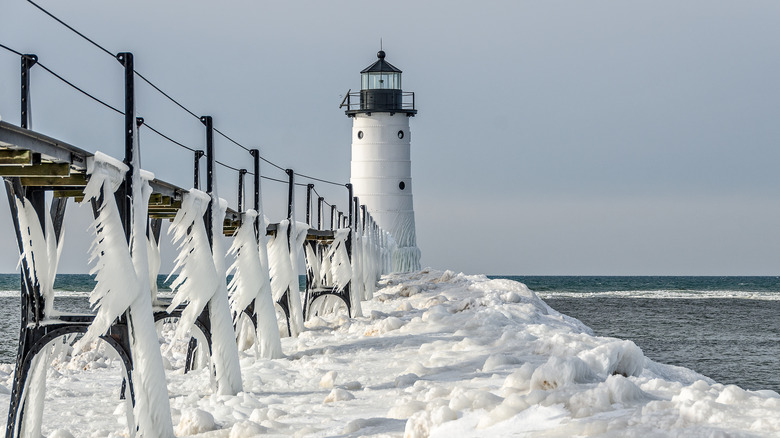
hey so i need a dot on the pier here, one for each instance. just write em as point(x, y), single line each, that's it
point(342, 261)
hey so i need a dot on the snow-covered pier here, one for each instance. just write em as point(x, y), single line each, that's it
point(343, 264)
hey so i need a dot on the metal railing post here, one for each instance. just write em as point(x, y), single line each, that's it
point(290, 193)
point(208, 218)
point(241, 173)
point(309, 188)
point(28, 60)
point(356, 207)
point(256, 166)
point(320, 203)
point(125, 193)
point(363, 212)
point(349, 189)
point(196, 180)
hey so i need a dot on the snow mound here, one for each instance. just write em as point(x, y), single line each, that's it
point(561, 371)
point(453, 355)
point(247, 429)
point(338, 394)
point(195, 421)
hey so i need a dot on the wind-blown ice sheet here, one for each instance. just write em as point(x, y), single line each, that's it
point(438, 354)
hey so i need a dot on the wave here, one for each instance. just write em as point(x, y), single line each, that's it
point(665, 294)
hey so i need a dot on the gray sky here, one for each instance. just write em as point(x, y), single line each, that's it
point(600, 137)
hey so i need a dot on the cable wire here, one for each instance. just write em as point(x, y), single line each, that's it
point(233, 141)
point(165, 94)
point(318, 179)
point(11, 50)
point(273, 179)
point(168, 138)
point(71, 84)
point(158, 89)
point(72, 29)
point(320, 196)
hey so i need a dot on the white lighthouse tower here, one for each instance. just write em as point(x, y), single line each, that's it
point(381, 157)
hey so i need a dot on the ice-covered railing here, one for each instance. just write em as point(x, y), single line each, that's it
point(123, 286)
point(201, 283)
point(138, 262)
point(251, 285)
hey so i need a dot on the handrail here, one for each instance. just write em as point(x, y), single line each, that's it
point(352, 101)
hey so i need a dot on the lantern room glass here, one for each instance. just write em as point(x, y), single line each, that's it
point(381, 81)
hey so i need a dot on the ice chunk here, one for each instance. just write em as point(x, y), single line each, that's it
point(418, 425)
point(61, 433)
point(328, 379)
point(194, 421)
point(338, 394)
point(247, 429)
point(561, 371)
point(616, 357)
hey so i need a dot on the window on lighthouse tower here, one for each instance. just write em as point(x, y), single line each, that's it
point(381, 81)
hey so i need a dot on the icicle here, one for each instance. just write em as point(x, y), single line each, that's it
point(279, 259)
point(152, 409)
point(283, 257)
point(369, 265)
point(42, 256)
point(35, 250)
point(227, 368)
point(313, 265)
point(297, 237)
point(117, 285)
point(325, 275)
point(251, 283)
point(268, 341)
point(197, 280)
point(35, 392)
point(357, 266)
point(123, 286)
point(153, 249)
point(54, 250)
point(340, 267)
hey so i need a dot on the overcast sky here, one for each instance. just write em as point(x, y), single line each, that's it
point(598, 137)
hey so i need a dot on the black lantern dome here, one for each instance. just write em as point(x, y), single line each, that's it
point(380, 90)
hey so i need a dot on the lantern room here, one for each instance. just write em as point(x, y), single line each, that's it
point(380, 91)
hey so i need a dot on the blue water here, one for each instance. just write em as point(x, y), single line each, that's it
point(727, 328)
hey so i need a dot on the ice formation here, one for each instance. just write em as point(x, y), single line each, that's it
point(227, 369)
point(313, 264)
point(153, 251)
point(298, 233)
point(337, 257)
point(197, 280)
point(40, 252)
point(442, 354)
point(117, 285)
point(357, 270)
point(251, 284)
point(268, 331)
point(35, 393)
point(123, 288)
point(283, 261)
point(201, 281)
point(369, 263)
point(151, 409)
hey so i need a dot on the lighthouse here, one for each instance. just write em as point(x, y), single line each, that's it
point(381, 173)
